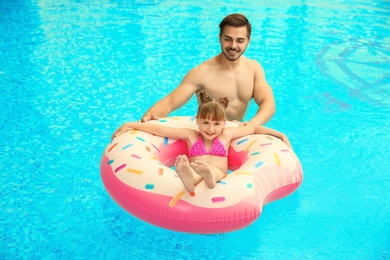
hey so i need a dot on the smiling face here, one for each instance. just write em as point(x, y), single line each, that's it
point(234, 41)
point(211, 116)
point(210, 129)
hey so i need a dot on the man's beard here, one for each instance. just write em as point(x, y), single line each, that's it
point(230, 58)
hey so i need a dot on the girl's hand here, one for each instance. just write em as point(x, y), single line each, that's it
point(124, 128)
point(285, 139)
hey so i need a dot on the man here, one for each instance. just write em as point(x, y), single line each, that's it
point(229, 74)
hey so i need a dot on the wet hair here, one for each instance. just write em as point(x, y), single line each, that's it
point(211, 109)
point(236, 20)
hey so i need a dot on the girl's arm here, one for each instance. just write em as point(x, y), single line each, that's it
point(237, 132)
point(163, 131)
point(269, 131)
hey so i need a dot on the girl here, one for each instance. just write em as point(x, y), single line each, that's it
point(208, 147)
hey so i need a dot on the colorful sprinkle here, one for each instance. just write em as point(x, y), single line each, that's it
point(217, 199)
point(249, 185)
point(266, 144)
point(176, 199)
point(255, 153)
point(112, 147)
point(134, 171)
point(160, 171)
point(149, 186)
point(277, 159)
point(110, 161)
point(155, 147)
point(162, 120)
point(147, 149)
point(222, 182)
point(257, 165)
point(242, 141)
point(165, 141)
point(120, 168)
point(141, 139)
point(127, 146)
point(136, 156)
point(285, 150)
point(254, 141)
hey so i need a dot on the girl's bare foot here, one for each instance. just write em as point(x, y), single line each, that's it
point(185, 172)
point(203, 169)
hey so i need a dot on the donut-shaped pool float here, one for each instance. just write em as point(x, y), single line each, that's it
point(136, 169)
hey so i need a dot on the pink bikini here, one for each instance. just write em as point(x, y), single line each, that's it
point(198, 148)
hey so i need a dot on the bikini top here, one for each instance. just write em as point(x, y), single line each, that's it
point(198, 148)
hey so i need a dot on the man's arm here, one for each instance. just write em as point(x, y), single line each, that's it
point(176, 99)
point(264, 98)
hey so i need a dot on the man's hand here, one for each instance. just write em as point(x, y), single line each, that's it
point(149, 116)
point(245, 123)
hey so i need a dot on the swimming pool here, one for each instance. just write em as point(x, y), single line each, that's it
point(71, 73)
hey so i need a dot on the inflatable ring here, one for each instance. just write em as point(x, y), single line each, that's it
point(136, 172)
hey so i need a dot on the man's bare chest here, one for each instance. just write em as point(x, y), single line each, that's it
point(231, 87)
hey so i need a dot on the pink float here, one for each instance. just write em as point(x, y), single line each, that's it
point(136, 172)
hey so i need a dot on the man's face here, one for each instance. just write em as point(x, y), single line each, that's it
point(234, 41)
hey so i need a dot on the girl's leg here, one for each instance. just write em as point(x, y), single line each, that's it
point(187, 175)
point(210, 174)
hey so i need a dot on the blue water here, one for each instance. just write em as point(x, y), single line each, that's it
point(72, 72)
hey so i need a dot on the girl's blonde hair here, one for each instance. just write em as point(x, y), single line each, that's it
point(211, 109)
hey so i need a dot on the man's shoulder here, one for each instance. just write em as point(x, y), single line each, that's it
point(206, 65)
point(251, 62)
point(212, 62)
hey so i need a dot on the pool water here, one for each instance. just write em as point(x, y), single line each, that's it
point(72, 72)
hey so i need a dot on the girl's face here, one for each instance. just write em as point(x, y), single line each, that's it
point(210, 129)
